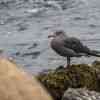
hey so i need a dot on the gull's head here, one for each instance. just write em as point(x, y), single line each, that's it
point(57, 33)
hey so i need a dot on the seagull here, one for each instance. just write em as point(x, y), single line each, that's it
point(70, 46)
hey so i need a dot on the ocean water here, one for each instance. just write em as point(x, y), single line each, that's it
point(26, 24)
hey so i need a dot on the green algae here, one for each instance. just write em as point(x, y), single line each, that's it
point(77, 76)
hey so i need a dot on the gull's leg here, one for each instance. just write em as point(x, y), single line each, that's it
point(68, 62)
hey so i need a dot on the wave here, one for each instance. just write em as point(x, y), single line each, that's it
point(55, 4)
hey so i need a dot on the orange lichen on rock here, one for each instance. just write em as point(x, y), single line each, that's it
point(17, 85)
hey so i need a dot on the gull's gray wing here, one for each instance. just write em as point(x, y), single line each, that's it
point(75, 44)
point(67, 52)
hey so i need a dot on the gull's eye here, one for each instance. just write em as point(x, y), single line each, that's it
point(58, 33)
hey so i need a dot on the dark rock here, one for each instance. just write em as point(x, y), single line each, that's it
point(77, 76)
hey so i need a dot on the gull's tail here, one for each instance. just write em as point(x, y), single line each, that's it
point(91, 52)
point(94, 53)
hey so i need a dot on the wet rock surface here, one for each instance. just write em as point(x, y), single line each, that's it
point(77, 76)
point(80, 94)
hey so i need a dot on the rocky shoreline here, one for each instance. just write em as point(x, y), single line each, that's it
point(59, 81)
point(80, 94)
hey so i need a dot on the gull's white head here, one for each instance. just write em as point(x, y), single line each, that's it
point(57, 33)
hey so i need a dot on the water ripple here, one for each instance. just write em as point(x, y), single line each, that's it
point(25, 25)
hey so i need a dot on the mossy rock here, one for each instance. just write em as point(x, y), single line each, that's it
point(96, 64)
point(77, 76)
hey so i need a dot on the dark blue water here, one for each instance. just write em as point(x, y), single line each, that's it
point(25, 25)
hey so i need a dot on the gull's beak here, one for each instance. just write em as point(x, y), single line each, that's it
point(50, 36)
